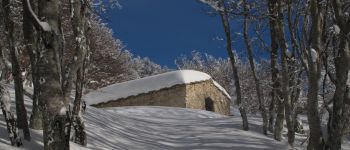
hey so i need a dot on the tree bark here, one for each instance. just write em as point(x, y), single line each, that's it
point(78, 122)
point(339, 114)
point(31, 48)
point(5, 101)
point(295, 72)
point(272, 112)
point(51, 95)
point(276, 92)
point(294, 100)
point(5, 70)
point(226, 26)
point(279, 119)
point(314, 74)
point(21, 111)
point(252, 67)
point(285, 74)
point(79, 11)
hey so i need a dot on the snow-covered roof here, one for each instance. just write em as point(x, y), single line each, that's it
point(147, 84)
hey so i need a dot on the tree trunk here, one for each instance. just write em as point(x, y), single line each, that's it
point(226, 26)
point(339, 111)
point(36, 118)
point(279, 119)
point(31, 48)
point(78, 122)
point(6, 67)
point(313, 115)
point(294, 71)
point(276, 92)
point(22, 121)
point(77, 69)
point(272, 112)
point(285, 74)
point(51, 96)
point(338, 121)
point(54, 110)
point(294, 100)
point(314, 74)
point(252, 67)
point(79, 12)
point(5, 101)
point(274, 69)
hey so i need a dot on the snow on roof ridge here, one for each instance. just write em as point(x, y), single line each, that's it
point(147, 84)
point(222, 89)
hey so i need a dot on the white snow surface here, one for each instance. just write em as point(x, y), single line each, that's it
point(147, 84)
point(163, 128)
point(157, 128)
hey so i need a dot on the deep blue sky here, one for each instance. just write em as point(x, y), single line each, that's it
point(165, 29)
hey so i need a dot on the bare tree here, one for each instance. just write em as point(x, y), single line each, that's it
point(252, 65)
point(312, 64)
point(79, 24)
point(276, 85)
point(30, 42)
point(51, 94)
point(77, 120)
point(78, 18)
point(5, 103)
point(5, 99)
point(339, 114)
point(225, 22)
point(21, 111)
point(285, 73)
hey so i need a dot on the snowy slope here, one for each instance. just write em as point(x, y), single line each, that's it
point(161, 128)
point(147, 84)
point(172, 128)
point(156, 128)
point(36, 142)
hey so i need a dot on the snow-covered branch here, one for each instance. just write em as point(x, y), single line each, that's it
point(314, 55)
point(215, 4)
point(37, 23)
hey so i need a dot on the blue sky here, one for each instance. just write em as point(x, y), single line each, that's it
point(165, 29)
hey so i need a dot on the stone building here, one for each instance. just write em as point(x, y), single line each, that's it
point(183, 88)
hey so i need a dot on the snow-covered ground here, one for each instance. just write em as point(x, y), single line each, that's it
point(160, 128)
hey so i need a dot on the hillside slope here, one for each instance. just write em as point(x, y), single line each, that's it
point(159, 128)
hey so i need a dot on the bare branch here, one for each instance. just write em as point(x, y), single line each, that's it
point(41, 25)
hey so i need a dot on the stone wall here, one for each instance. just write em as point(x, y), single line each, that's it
point(173, 97)
point(197, 93)
point(186, 96)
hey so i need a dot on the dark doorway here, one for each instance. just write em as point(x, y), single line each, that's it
point(209, 104)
